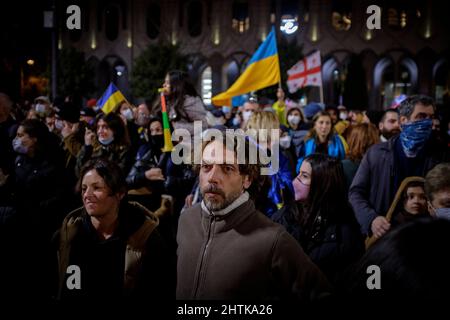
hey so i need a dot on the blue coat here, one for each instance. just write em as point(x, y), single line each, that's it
point(336, 148)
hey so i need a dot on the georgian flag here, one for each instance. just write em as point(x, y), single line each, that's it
point(306, 72)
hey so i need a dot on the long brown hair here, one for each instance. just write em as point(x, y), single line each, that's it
point(361, 137)
point(312, 132)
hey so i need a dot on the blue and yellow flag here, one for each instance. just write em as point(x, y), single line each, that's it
point(263, 70)
point(110, 98)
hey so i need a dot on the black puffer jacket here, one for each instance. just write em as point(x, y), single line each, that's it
point(331, 246)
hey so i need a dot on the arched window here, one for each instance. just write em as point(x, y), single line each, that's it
point(395, 83)
point(111, 22)
point(240, 21)
point(341, 15)
point(441, 80)
point(206, 83)
point(194, 15)
point(153, 20)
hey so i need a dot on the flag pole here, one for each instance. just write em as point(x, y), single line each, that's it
point(321, 93)
point(279, 65)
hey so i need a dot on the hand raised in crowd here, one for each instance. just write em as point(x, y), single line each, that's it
point(89, 136)
point(280, 94)
point(69, 128)
point(154, 174)
point(380, 226)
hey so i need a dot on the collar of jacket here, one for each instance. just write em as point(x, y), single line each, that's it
point(213, 224)
point(388, 145)
point(236, 203)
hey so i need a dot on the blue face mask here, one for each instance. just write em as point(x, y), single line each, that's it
point(226, 109)
point(443, 213)
point(106, 141)
point(18, 146)
point(236, 122)
point(414, 135)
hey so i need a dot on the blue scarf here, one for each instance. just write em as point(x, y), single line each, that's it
point(414, 135)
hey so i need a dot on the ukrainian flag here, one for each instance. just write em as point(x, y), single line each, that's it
point(263, 70)
point(110, 98)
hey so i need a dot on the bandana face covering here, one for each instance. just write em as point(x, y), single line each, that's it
point(414, 135)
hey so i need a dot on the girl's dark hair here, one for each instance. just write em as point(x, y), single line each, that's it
point(327, 200)
point(180, 86)
point(115, 123)
point(111, 173)
point(47, 144)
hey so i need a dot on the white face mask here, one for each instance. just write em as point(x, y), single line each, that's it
point(106, 141)
point(443, 213)
point(293, 120)
point(40, 108)
point(343, 115)
point(246, 115)
point(285, 142)
point(128, 114)
point(59, 124)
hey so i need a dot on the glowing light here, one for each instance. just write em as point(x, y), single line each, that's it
point(216, 37)
point(174, 38)
point(289, 26)
point(129, 42)
point(30, 62)
point(93, 41)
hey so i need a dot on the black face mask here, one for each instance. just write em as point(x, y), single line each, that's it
point(157, 140)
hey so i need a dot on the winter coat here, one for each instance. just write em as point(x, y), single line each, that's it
point(133, 263)
point(241, 254)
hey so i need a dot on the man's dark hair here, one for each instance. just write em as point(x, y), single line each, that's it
point(406, 107)
point(437, 179)
point(383, 117)
point(240, 144)
point(110, 172)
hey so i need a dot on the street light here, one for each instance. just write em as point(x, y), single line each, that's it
point(30, 62)
point(289, 24)
point(119, 70)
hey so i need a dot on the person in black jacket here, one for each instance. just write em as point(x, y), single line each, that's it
point(387, 164)
point(322, 219)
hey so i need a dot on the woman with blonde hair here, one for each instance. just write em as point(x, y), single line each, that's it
point(361, 138)
point(280, 188)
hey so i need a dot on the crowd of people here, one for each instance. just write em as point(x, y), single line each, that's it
point(98, 191)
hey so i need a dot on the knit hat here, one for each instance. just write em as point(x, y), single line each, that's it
point(311, 109)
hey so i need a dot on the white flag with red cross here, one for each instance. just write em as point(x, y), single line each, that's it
point(306, 72)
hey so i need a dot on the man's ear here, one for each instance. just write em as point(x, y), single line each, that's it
point(380, 126)
point(247, 182)
point(403, 120)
